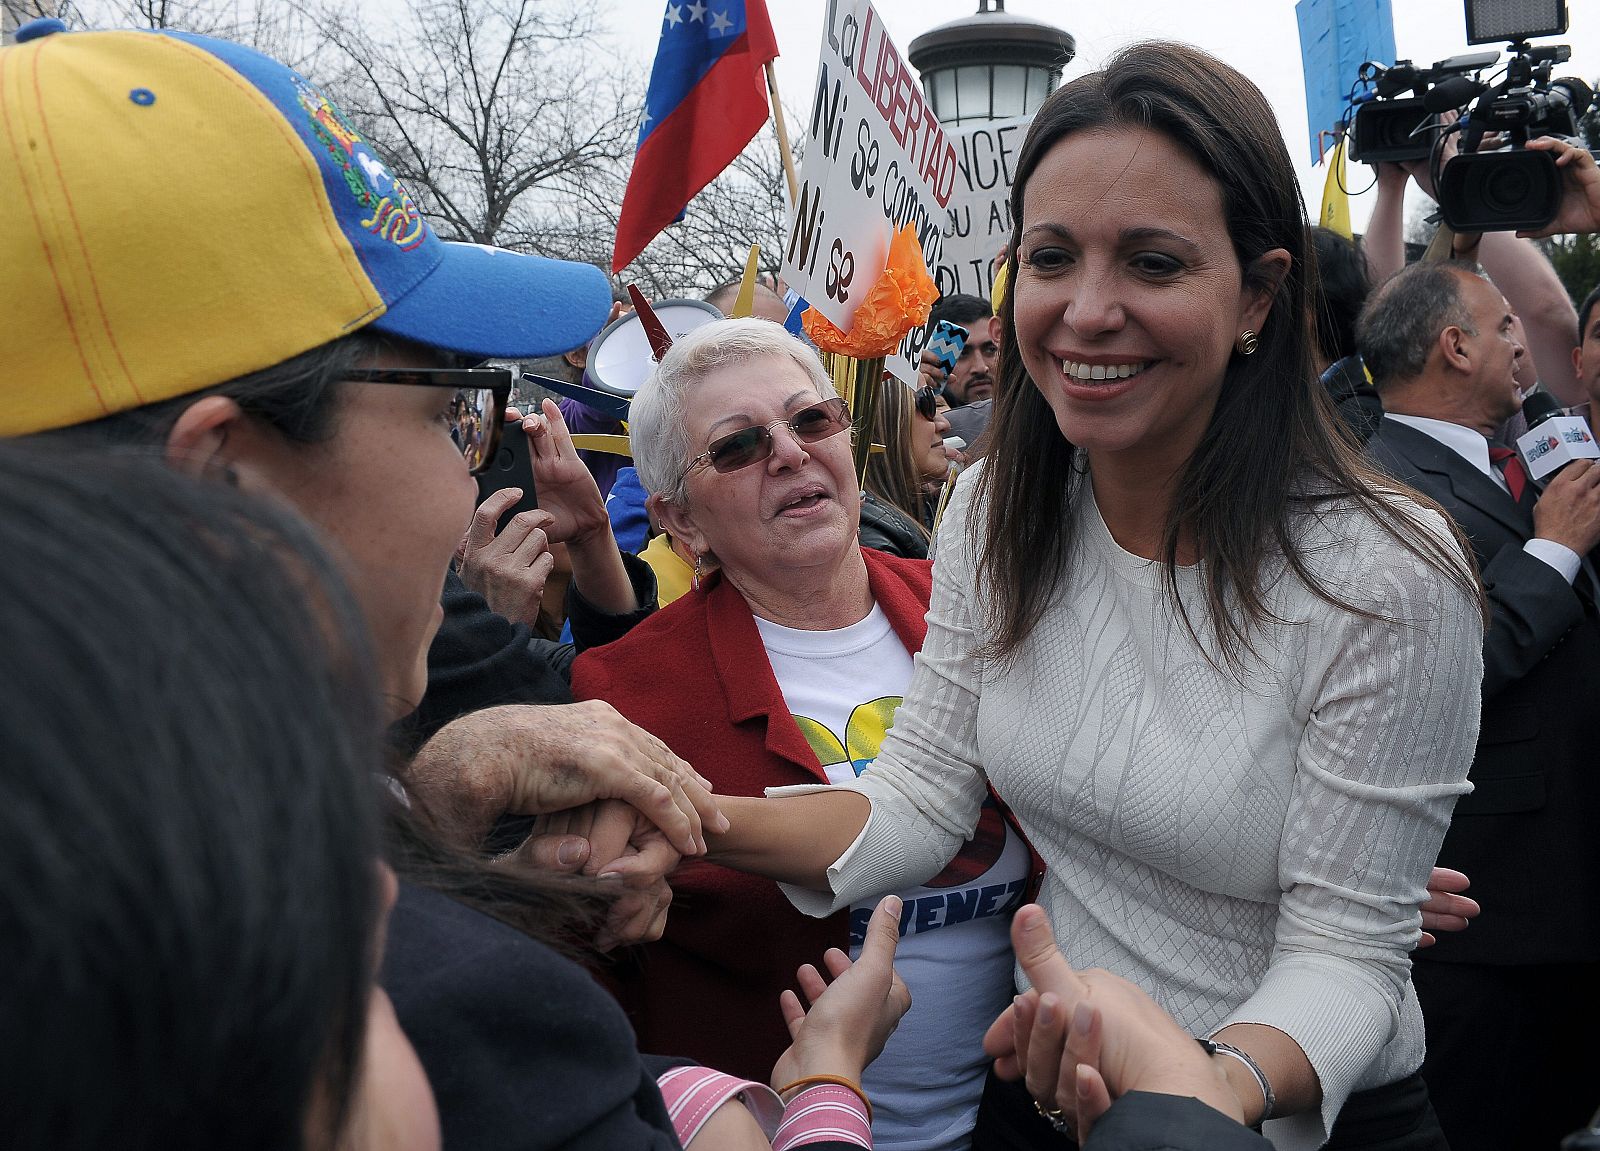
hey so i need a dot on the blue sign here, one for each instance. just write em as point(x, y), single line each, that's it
point(1336, 38)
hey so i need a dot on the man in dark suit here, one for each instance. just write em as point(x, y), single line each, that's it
point(1507, 1001)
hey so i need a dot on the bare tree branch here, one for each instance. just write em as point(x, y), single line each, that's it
point(485, 108)
point(509, 121)
point(277, 29)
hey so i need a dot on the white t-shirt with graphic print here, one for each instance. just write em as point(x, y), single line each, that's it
point(842, 688)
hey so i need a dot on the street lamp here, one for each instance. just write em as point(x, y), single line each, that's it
point(991, 65)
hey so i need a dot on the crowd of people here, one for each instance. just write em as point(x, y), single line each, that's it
point(336, 814)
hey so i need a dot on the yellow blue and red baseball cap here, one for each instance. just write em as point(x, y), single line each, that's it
point(181, 211)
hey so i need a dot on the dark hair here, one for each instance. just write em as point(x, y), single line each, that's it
point(1403, 319)
point(1339, 288)
point(893, 475)
point(1585, 309)
point(188, 845)
point(1271, 449)
point(960, 308)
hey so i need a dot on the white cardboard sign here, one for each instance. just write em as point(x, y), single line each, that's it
point(978, 218)
point(876, 158)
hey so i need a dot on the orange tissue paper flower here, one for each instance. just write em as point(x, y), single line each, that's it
point(898, 302)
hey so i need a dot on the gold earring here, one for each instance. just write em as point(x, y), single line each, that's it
point(694, 578)
point(1247, 343)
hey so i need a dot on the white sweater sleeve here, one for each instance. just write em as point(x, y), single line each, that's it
point(926, 785)
point(1393, 723)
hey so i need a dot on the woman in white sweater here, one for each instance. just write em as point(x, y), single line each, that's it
point(1225, 677)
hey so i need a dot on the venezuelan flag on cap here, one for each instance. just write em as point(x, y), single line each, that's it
point(182, 211)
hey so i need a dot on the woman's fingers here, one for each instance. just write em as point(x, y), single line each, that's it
point(1023, 1009)
point(1082, 1050)
point(1045, 1047)
point(1447, 879)
point(1093, 1098)
point(793, 1013)
point(811, 982)
point(1041, 960)
point(836, 961)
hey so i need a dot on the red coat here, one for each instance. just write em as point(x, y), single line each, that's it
point(697, 676)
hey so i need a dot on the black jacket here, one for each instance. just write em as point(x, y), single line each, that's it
point(1144, 1121)
point(886, 528)
point(524, 1050)
point(1525, 835)
point(481, 659)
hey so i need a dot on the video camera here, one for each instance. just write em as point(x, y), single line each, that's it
point(1507, 189)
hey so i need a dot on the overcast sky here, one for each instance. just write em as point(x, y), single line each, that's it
point(1259, 37)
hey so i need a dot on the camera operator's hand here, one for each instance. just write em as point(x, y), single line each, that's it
point(1391, 176)
point(1580, 194)
point(1568, 511)
point(1422, 170)
point(509, 569)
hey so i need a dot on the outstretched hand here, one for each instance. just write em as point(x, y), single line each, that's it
point(851, 1018)
point(1082, 1039)
point(524, 759)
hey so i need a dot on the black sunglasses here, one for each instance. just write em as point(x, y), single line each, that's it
point(927, 402)
point(477, 410)
point(751, 445)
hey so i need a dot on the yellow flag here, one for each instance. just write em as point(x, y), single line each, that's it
point(997, 293)
point(744, 304)
point(1335, 200)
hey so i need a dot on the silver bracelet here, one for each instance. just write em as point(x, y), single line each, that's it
point(1269, 1100)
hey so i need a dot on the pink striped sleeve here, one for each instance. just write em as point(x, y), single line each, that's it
point(692, 1093)
point(823, 1113)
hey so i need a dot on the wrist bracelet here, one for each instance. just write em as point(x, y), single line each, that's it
point(1268, 1099)
point(830, 1080)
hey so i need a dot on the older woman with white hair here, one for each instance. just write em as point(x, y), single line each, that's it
point(784, 667)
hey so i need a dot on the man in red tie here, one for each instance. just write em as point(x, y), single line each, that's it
point(1442, 348)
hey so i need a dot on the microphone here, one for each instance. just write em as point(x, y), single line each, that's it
point(1553, 440)
point(1453, 93)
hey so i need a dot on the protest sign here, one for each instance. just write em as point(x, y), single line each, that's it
point(1336, 37)
point(876, 159)
point(978, 218)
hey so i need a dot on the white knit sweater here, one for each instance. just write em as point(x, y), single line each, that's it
point(1245, 851)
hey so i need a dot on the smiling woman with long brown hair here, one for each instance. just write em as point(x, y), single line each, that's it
point(1225, 676)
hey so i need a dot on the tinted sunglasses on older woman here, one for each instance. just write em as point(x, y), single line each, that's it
point(751, 445)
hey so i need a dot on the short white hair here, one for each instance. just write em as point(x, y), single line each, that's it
point(658, 431)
